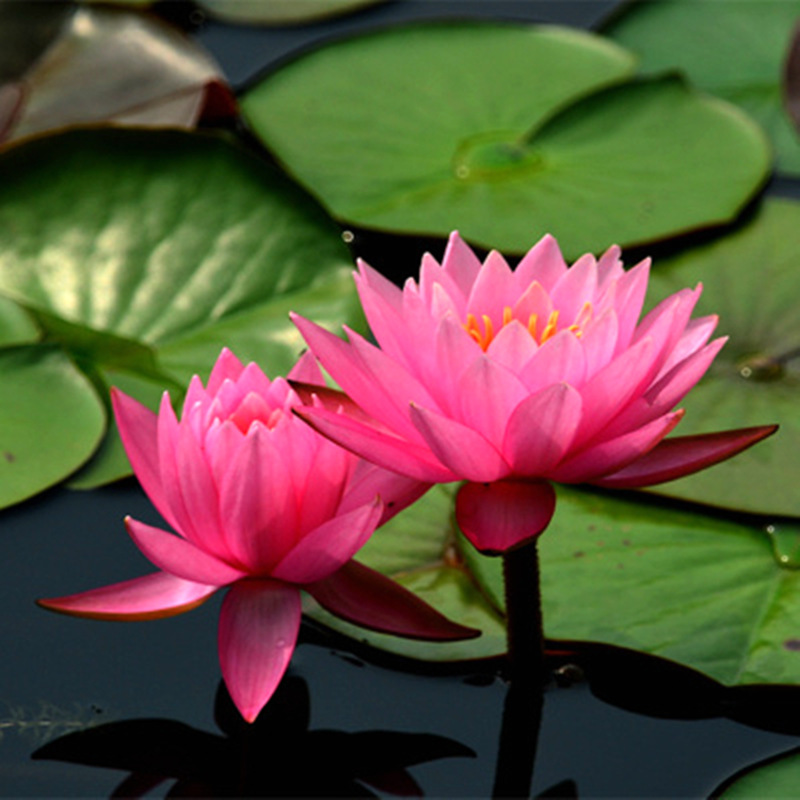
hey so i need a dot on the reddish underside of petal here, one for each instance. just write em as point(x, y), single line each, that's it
point(496, 517)
point(684, 455)
point(150, 597)
point(365, 597)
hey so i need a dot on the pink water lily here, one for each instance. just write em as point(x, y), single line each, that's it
point(266, 506)
point(513, 379)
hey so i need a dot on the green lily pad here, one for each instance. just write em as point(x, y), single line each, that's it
point(16, 327)
point(684, 584)
point(418, 549)
point(41, 389)
point(144, 253)
point(280, 12)
point(776, 777)
point(703, 591)
point(733, 50)
point(505, 132)
point(751, 280)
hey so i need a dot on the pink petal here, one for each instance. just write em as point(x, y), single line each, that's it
point(599, 342)
point(328, 547)
point(513, 347)
point(227, 367)
point(168, 435)
point(364, 597)
point(199, 491)
point(258, 626)
point(498, 516)
point(684, 455)
point(388, 451)
point(542, 263)
point(666, 322)
point(464, 451)
point(150, 597)
point(461, 263)
point(493, 288)
point(434, 279)
point(489, 393)
point(542, 429)
point(454, 351)
point(138, 429)
point(327, 398)
point(559, 360)
point(575, 288)
point(195, 394)
point(392, 387)
point(614, 454)
point(629, 293)
point(666, 393)
point(380, 399)
point(610, 390)
point(384, 308)
point(534, 300)
point(609, 267)
point(321, 471)
point(694, 337)
point(175, 555)
point(306, 370)
point(257, 503)
point(371, 280)
point(253, 380)
point(370, 481)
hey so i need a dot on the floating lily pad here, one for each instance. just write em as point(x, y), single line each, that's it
point(751, 279)
point(280, 12)
point(733, 50)
point(505, 132)
point(50, 420)
point(707, 592)
point(703, 591)
point(127, 244)
point(776, 777)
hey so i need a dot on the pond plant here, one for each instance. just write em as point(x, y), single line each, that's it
point(470, 409)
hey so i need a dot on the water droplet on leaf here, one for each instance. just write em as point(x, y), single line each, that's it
point(785, 540)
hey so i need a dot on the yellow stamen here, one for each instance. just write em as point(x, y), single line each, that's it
point(484, 334)
point(483, 338)
point(551, 327)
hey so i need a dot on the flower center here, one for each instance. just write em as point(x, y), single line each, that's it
point(484, 334)
point(254, 408)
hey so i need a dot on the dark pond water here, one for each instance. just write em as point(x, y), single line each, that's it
point(59, 675)
point(343, 719)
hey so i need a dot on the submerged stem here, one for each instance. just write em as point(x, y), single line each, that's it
point(522, 711)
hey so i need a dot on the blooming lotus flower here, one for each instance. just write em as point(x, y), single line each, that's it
point(261, 504)
point(513, 379)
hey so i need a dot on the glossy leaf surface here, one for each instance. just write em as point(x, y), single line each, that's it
point(733, 50)
point(121, 246)
point(703, 591)
point(751, 280)
point(502, 133)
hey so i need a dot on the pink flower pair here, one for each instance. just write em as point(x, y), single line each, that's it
point(265, 506)
point(509, 380)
